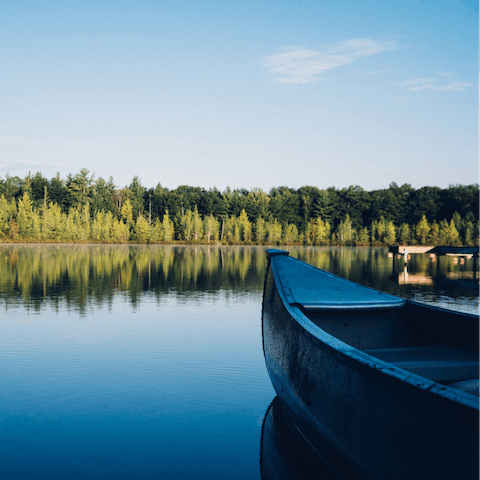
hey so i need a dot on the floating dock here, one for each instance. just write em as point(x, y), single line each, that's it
point(400, 249)
point(397, 251)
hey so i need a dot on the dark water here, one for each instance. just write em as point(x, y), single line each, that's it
point(147, 362)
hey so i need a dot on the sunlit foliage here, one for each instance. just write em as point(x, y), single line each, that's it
point(84, 209)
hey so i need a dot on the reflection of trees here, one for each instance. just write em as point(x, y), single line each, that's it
point(82, 275)
point(79, 274)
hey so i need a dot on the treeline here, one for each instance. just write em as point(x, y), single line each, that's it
point(82, 209)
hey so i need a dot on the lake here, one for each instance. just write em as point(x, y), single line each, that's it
point(146, 361)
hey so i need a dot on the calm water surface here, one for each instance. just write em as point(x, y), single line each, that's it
point(147, 362)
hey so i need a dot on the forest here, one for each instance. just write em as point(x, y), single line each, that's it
point(84, 209)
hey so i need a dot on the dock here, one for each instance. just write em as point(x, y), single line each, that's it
point(400, 249)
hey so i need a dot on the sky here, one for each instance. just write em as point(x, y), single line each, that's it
point(245, 94)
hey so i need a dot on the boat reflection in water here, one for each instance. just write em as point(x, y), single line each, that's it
point(285, 454)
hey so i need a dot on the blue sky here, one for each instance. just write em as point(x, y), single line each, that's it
point(241, 94)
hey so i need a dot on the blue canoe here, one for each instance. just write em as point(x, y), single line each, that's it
point(380, 386)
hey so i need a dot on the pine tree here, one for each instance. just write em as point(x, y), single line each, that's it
point(260, 231)
point(291, 233)
point(423, 230)
point(274, 231)
point(245, 226)
point(167, 227)
point(345, 231)
point(142, 229)
point(197, 225)
point(127, 212)
point(364, 236)
point(4, 216)
point(449, 234)
point(185, 225)
point(390, 233)
point(211, 228)
point(434, 235)
point(404, 233)
point(321, 231)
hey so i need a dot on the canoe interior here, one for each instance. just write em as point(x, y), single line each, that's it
point(436, 344)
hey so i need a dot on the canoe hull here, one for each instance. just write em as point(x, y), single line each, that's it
point(360, 419)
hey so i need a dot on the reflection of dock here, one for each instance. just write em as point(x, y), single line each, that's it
point(454, 278)
point(460, 256)
point(397, 251)
point(455, 251)
point(405, 278)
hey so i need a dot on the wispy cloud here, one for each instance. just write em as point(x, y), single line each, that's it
point(298, 65)
point(434, 84)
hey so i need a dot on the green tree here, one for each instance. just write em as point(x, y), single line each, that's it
point(127, 213)
point(27, 226)
point(423, 230)
point(78, 187)
point(345, 232)
point(142, 229)
point(285, 205)
point(274, 231)
point(290, 233)
point(103, 196)
point(364, 236)
point(390, 233)
point(185, 225)
point(260, 231)
point(53, 222)
point(97, 230)
point(167, 227)
point(5, 215)
point(257, 203)
point(11, 187)
point(449, 234)
point(321, 231)
point(245, 226)
point(197, 225)
point(324, 205)
point(211, 227)
point(470, 239)
point(156, 231)
point(434, 235)
point(404, 234)
point(136, 192)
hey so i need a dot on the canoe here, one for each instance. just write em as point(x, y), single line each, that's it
point(380, 386)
